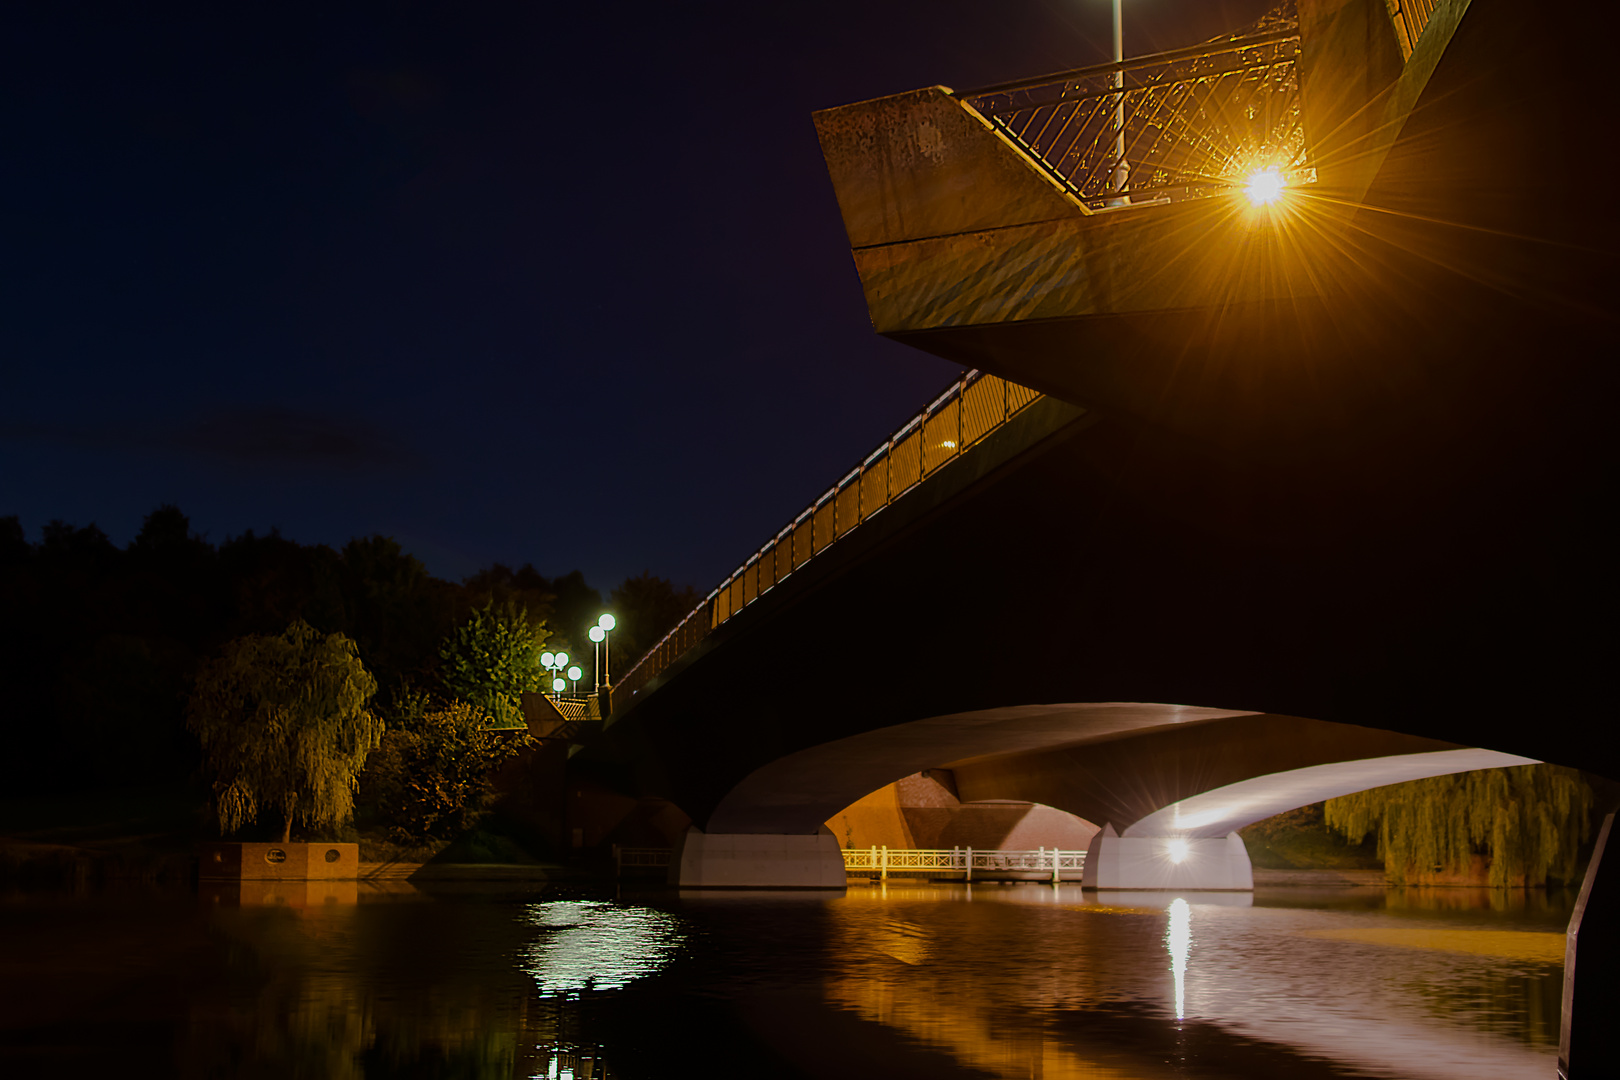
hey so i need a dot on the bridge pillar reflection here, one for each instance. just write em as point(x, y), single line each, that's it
point(757, 861)
point(1167, 862)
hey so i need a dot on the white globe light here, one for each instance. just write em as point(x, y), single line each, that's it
point(575, 673)
point(1265, 187)
point(607, 622)
point(562, 659)
point(597, 633)
point(558, 685)
point(548, 659)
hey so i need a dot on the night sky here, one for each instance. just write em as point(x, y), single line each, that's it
point(516, 283)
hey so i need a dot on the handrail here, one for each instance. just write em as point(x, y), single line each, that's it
point(971, 407)
point(1216, 48)
point(1177, 125)
point(965, 861)
point(884, 860)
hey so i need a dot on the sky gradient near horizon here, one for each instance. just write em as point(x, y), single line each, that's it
point(507, 284)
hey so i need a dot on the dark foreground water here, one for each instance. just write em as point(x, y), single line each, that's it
point(941, 981)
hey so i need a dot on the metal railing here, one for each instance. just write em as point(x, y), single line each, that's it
point(1184, 124)
point(639, 858)
point(577, 707)
point(1050, 863)
point(972, 407)
point(1410, 17)
point(912, 862)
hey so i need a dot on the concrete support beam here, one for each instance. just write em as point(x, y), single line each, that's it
point(757, 861)
point(1150, 862)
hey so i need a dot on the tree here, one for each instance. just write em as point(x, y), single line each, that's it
point(394, 609)
point(493, 658)
point(577, 607)
point(431, 774)
point(525, 586)
point(284, 724)
point(647, 607)
point(1530, 820)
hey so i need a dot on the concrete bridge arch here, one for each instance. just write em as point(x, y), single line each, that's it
point(1152, 774)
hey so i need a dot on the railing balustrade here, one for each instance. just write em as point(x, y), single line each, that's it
point(883, 861)
point(1410, 17)
point(649, 858)
point(577, 707)
point(1052, 863)
point(972, 407)
point(1195, 122)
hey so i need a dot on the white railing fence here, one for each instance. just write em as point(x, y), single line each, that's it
point(1053, 863)
point(639, 858)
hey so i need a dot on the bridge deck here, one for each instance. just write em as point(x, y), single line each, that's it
point(955, 422)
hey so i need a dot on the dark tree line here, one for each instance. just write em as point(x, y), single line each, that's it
point(99, 646)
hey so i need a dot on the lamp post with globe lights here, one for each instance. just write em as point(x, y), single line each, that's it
point(556, 663)
point(599, 635)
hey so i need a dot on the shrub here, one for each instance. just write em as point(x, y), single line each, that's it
point(430, 778)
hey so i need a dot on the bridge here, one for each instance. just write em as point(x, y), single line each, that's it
point(1279, 469)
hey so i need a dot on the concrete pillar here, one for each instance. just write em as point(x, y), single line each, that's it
point(1588, 1045)
point(1150, 862)
point(757, 861)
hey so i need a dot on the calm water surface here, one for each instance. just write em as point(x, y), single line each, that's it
point(905, 980)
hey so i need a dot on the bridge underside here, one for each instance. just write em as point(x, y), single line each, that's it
point(1171, 783)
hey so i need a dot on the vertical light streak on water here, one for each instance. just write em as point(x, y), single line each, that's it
point(1178, 940)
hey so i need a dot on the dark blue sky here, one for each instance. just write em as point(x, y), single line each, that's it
point(517, 283)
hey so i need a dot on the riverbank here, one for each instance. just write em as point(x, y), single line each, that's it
point(1268, 878)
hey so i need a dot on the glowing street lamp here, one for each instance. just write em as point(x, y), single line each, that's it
point(599, 635)
point(574, 674)
point(1264, 187)
point(555, 662)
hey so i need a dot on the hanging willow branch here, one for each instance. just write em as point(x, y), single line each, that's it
point(284, 727)
point(1530, 820)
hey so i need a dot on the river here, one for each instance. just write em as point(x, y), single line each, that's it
point(904, 979)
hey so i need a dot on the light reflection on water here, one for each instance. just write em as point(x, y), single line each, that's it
point(1178, 940)
point(1010, 981)
point(596, 945)
point(1357, 983)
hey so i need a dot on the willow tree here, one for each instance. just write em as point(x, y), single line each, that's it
point(1529, 820)
point(284, 726)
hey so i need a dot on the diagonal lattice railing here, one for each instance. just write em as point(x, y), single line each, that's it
point(972, 407)
point(1410, 18)
point(1178, 125)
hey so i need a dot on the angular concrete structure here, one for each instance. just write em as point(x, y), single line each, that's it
point(757, 861)
point(1153, 863)
point(1310, 478)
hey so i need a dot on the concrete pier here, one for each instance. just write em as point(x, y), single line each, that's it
point(757, 861)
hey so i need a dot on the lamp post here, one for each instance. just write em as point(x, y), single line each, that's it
point(555, 663)
point(596, 634)
point(574, 674)
point(599, 635)
point(1121, 177)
